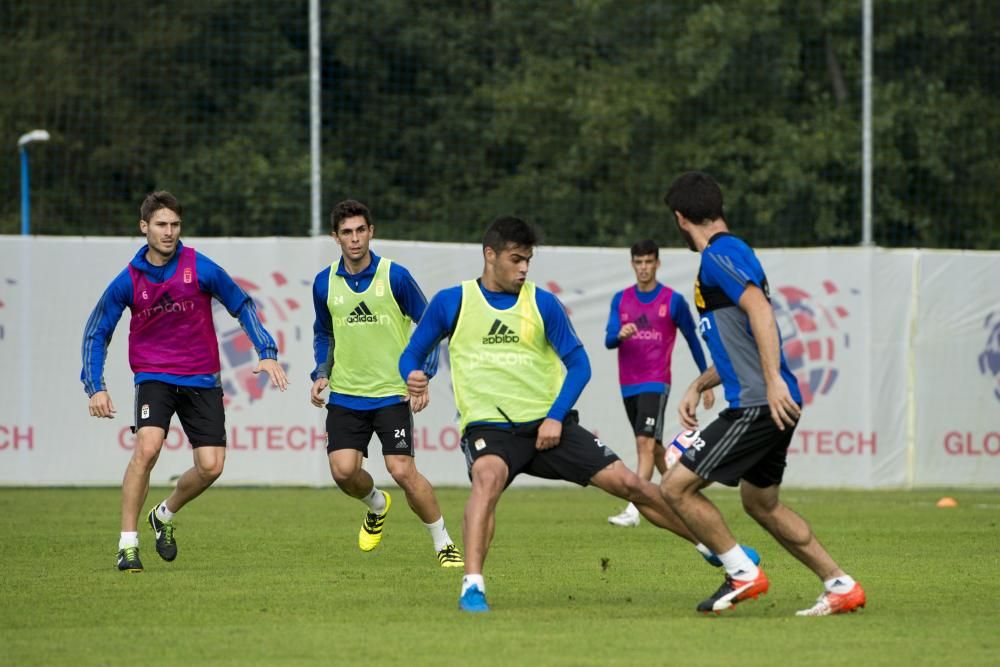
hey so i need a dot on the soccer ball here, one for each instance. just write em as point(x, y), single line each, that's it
point(679, 445)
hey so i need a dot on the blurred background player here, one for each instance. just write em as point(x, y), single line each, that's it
point(509, 341)
point(748, 442)
point(643, 325)
point(364, 306)
point(173, 350)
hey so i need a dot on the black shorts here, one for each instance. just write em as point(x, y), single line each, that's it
point(645, 413)
point(200, 411)
point(577, 458)
point(353, 429)
point(742, 443)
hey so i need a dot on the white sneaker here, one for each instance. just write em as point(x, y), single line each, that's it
point(629, 517)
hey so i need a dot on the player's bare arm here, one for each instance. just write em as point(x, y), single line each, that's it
point(316, 392)
point(784, 410)
point(687, 410)
point(549, 434)
point(274, 371)
point(101, 405)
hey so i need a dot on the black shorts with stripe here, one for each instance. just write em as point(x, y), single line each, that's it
point(645, 413)
point(353, 429)
point(577, 458)
point(742, 443)
point(200, 410)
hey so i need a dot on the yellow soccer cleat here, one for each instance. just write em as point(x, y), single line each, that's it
point(371, 528)
point(450, 556)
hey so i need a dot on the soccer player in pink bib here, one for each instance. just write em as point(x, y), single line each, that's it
point(174, 353)
point(643, 326)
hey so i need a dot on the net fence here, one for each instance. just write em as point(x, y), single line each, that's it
point(575, 115)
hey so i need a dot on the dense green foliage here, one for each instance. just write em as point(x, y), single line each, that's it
point(275, 577)
point(573, 114)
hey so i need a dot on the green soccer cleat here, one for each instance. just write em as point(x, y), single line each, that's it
point(128, 560)
point(450, 556)
point(371, 528)
point(164, 532)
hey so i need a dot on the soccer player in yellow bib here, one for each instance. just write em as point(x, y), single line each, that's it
point(509, 342)
point(364, 306)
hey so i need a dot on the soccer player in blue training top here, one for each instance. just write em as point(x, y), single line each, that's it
point(174, 352)
point(364, 306)
point(509, 341)
point(643, 326)
point(749, 441)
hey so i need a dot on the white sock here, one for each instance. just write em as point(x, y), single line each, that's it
point(842, 584)
point(738, 563)
point(163, 513)
point(703, 550)
point(439, 534)
point(128, 540)
point(632, 510)
point(470, 580)
point(375, 501)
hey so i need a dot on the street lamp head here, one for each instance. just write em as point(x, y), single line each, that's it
point(34, 135)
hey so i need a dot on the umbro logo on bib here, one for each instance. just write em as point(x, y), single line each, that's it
point(500, 333)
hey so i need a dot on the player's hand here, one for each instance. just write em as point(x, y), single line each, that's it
point(419, 401)
point(708, 398)
point(417, 389)
point(549, 434)
point(101, 405)
point(316, 393)
point(784, 410)
point(687, 410)
point(274, 371)
point(416, 383)
point(627, 331)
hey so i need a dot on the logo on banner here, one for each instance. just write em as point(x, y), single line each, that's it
point(813, 335)
point(989, 359)
point(275, 306)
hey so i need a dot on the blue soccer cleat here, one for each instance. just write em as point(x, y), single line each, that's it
point(473, 599)
point(750, 552)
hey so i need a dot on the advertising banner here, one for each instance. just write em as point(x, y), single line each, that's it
point(898, 374)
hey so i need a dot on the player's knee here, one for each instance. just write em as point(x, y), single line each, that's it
point(145, 454)
point(403, 472)
point(760, 509)
point(343, 475)
point(211, 470)
point(488, 477)
point(646, 445)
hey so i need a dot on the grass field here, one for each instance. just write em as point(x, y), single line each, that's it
point(274, 577)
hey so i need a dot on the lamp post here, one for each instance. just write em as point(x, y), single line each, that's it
point(22, 147)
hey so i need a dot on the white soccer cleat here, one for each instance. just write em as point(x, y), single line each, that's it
point(837, 603)
point(628, 518)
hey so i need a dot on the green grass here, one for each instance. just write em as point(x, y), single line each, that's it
point(274, 577)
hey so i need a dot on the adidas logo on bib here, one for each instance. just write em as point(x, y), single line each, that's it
point(500, 333)
point(360, 314)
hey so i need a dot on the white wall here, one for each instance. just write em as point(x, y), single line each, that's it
point(899, 350)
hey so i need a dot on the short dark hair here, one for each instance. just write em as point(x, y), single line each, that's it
point(508, 230)
point(349, 208)
point(154, 201)
point(696, 196)
point(646, 247)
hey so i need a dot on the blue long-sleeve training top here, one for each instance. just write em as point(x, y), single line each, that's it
point(442, 313)
point(118, 296)
point(408, 296)
point(680, 313)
